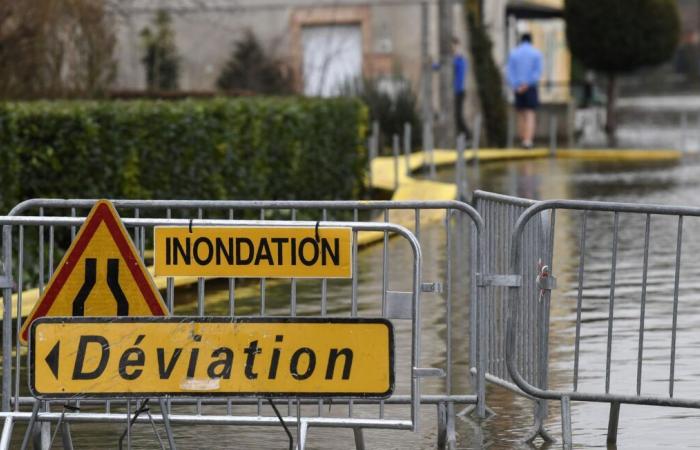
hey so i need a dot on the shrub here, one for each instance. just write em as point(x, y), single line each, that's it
point(617, 36)
point(392, 103)
point(160, 59)
point(249, 68)
point(249, 148)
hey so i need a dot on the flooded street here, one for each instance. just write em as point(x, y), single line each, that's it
point(640, 426)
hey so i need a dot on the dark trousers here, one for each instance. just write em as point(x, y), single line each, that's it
point(460, 124)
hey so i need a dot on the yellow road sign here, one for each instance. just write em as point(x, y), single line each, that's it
point(204, 356)
point(283, 252)
point(100, 275)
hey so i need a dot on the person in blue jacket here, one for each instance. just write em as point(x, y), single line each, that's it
point(524, 70)
point(460, 65)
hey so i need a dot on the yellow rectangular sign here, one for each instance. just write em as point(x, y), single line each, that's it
point(253, 252)
point(205, 356)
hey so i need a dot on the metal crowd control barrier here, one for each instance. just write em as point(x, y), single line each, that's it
point(615, 230)
point(146, 214)
point(500, 213)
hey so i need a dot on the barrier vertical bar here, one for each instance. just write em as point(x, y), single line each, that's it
point(674, 327)
point(7, 319)
point(579, 299)
point(170, 281)
point(611, 302)
point(20, 290)
point(642, 312)
point(448, 299)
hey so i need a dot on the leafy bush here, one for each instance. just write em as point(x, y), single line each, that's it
point(392, 103)
point(248, 148)
point(249, 68)
point(160, 57)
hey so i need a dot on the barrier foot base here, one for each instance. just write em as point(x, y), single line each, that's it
point(359, 439)
point(566, 423)
point(472, 410)
point(539, 430)
point(447, 437)
point(613, 422)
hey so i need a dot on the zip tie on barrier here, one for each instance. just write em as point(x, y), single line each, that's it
point(318, 237)
point(545, 281)
point(191, 225)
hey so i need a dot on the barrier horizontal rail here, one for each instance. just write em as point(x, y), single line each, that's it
point(637, 220)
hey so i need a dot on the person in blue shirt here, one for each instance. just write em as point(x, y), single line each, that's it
point(460, 65)
point(524, 71)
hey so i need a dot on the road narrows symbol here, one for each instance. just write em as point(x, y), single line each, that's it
point(90, 277)
point(113, 282)
point(89, 283)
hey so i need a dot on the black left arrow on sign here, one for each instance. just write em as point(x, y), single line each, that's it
point(52, 359)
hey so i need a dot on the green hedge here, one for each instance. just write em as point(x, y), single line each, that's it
point(251, 148)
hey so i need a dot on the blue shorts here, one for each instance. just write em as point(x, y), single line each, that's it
point(528, 99)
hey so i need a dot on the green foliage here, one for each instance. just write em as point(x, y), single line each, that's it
point(488, 78)
point(250, 68)
point(392, 102)
point(56, 48)
point(160, 57)
point(249, 148)
point(622, 35)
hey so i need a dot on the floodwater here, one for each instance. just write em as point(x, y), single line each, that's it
point(640, 426)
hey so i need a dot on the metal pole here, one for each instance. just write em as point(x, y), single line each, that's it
point(460, 170)
point(510, 139)
point(375, 135)
point(431, 148)
point(552, 134)
point(407, 146)
point(426, 145)
point(370, 143)
point(476, 140)
point(684, 131)
point(427, 82)
point(395, 151)
point(166, 423)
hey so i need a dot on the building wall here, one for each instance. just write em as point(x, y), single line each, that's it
point(205, 31)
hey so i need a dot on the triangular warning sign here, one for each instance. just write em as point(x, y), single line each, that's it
point(100, 275)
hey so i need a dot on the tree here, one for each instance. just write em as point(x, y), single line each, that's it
point(160, 57)
point(488, 77)
point(620, 36)
point(250, 68)
point(55, 48)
